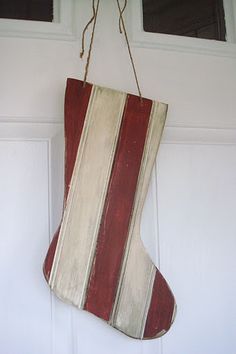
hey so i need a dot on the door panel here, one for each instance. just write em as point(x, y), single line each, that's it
point(25, 300)
point(197, 227)
point(188, 224)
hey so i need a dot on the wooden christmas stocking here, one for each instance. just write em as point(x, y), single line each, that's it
point(96, 260)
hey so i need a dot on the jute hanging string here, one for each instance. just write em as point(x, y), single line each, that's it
point(122, 29)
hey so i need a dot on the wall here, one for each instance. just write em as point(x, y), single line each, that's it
point(188, 223)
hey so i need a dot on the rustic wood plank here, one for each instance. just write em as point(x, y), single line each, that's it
point(158, 321)
point(118, 208)
point(138, 273)
point(100, 263)
point(76, 104)
point(77, 239)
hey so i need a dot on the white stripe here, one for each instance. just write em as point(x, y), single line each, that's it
point(138, 272)
point(81, 218)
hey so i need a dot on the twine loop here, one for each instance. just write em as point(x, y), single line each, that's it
point(122, 29)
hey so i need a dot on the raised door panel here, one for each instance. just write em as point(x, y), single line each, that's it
point(197, 228)
point(25, 300)
point(31, 192)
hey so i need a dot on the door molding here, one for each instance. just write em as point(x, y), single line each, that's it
point(62, 28)
point(142, 39)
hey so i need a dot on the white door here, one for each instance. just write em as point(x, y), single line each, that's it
point(189, 224)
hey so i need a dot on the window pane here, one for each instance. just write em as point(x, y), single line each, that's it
point(201, 18)
point(36, 10)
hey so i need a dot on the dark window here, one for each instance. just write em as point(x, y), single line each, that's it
point(192, 18)
point(36, 10)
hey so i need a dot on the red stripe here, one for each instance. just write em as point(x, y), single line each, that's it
point(76, 104)
point(161, 308)
point(118, 208)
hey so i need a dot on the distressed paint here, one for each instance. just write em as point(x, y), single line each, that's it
point(136, 282)
point(158, 321)
point(76, 104)
point(118, 208)
point(97, 260)
point(81, 219)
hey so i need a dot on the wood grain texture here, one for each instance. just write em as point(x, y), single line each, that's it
point(161, 311)
point(77, 239)
point(118, 208)
point(138, 273)
point(76, 104)
point(97, 260)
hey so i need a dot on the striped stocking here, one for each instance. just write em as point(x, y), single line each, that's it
point(97, 260)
